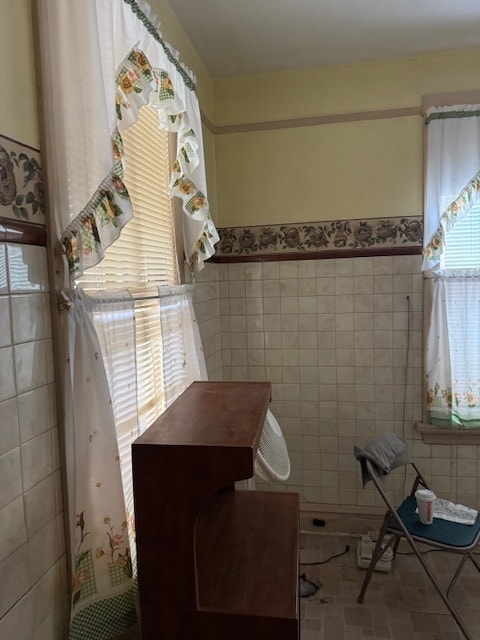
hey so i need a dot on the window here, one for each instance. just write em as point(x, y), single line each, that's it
point(123, 62)
point(142, 258)
point(462, 245)
point(452, 266)
point(457, 322)
point(145, 252)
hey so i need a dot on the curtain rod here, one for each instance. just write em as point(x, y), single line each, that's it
point(171, 290)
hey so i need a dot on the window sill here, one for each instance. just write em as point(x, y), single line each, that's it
point(434, 435)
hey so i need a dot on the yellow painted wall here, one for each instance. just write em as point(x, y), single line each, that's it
point(338, 89)
point(341, 171)
point(335, 171)
point(18, 105)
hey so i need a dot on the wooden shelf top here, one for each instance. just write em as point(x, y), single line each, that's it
point(226, 414)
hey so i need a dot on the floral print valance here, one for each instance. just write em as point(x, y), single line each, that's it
point(148, 73)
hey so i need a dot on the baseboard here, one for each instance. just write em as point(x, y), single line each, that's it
point(340, 509)
point(339, 520)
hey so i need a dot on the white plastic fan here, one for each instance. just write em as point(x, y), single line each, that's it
point(272, 461)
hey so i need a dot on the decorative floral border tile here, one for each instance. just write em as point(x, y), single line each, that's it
point(375, 235)
point(21, 182)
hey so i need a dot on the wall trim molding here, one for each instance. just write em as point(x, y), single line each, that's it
point(313, 121)
point(28, 146)
point(348, 511)
point(22, 232)
point(321, 240)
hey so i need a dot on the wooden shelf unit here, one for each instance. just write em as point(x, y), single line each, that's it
point(213, 562)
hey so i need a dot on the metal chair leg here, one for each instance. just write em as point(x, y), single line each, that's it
point(440, 591)
point(377, 554)
point(452, 582)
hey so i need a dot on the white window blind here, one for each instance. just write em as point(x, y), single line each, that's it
point(149, 350)
point(115, 329)
point(462, 243)
point(142, 258)
point(144, 254)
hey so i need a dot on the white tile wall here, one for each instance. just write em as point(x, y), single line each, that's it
point(331, 335)
point(3, 270)
point(9, 430)
point(15, 583)
point(18, 622)
point(32, 542)
point(10, 477)
point(27, 269)
point(207, 310)
point(13, 532)
point(5, 323)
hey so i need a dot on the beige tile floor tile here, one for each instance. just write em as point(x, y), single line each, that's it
point(400, 605)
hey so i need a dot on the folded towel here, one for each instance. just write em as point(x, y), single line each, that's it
point(447, 510)
point(387, 452)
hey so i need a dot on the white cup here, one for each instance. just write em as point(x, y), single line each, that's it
point(425, 501)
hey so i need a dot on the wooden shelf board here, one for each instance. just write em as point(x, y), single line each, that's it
point(247, 554)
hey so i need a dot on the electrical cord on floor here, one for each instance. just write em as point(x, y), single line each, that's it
point(337, 555)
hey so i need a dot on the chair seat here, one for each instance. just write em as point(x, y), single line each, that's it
point(453, 534)
point(404, 522)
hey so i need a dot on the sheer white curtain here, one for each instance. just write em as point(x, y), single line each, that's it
point(103, 588)
point(114, 321)
point(102, 422)
point(101, 61)
point(183, 358)
point(452, 359)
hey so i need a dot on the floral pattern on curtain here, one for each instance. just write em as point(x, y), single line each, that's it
point(453, 345)
point(105, 422)
point(138, 83)
point(452, 357)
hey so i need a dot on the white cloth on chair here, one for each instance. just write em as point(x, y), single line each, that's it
point(387, 452)
point(447, 510)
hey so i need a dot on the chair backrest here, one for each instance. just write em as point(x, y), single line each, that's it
point(381, 456)
point(377, 480)
point(387, 452)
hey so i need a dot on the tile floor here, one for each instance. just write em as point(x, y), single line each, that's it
point(401, 605)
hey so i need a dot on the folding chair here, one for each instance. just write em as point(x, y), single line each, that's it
point(377, 459)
